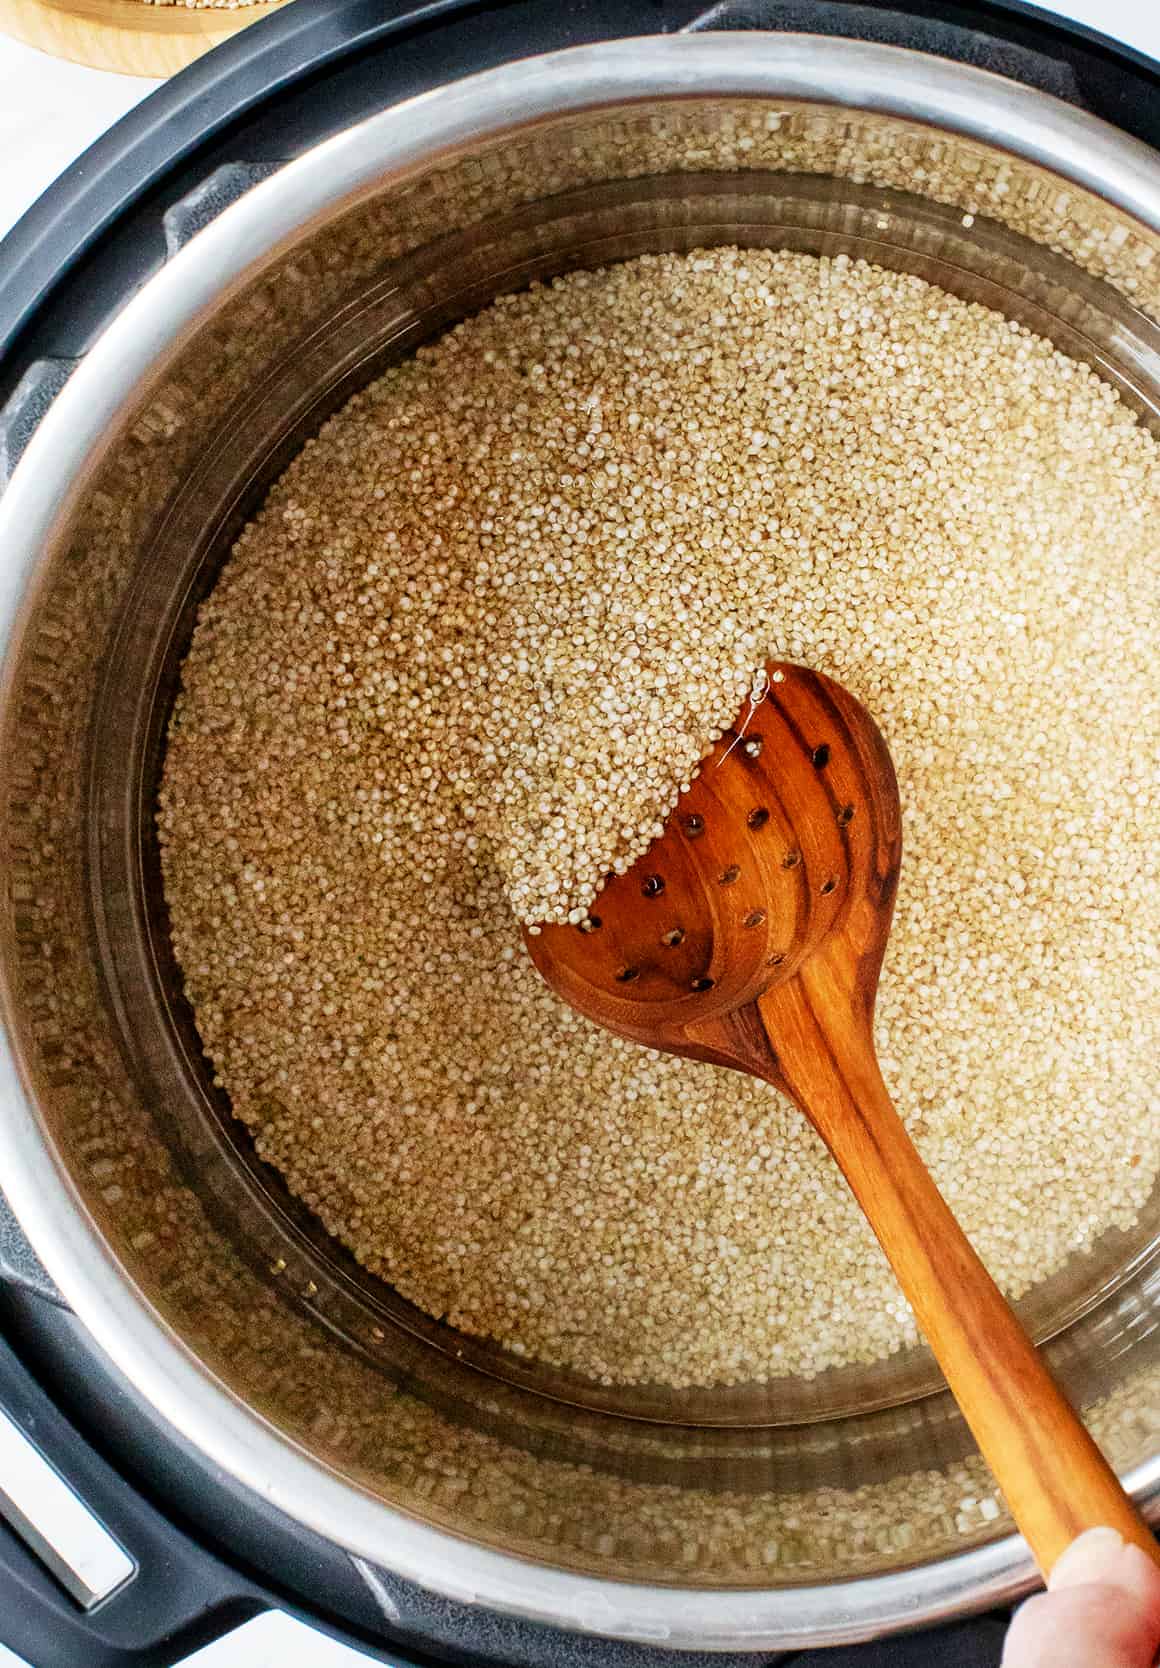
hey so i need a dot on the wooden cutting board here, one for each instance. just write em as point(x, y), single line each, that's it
point(125, 35)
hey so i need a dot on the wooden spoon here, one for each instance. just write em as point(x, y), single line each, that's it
point(751, 934)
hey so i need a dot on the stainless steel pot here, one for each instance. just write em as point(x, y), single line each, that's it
point(778, 1516)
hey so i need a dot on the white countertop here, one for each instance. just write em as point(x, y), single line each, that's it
point(49, 112)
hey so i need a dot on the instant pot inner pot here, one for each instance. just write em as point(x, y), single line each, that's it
point(862, 1469)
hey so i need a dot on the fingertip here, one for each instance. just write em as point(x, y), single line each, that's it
point(1091, 1557)
point(1140, 1575)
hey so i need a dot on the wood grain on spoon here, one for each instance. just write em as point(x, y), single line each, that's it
point(751, 934)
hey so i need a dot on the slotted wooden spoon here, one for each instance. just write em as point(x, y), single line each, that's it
point(751, 934)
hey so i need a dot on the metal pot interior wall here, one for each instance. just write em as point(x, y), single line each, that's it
point(859, 1471)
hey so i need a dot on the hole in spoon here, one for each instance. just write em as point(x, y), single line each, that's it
point(758, 817)
point(693, 826)
point(704, 983)
point(675, 936)
point(627, 975)
point(846, 814)
point(653, 886)
point(776, 959)
point(729, 875)
point(791, 859)
point(590, 923)
point(828, 886)
point(754, 918)
point(820, 757)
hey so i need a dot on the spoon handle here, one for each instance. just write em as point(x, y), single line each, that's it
point(1054, 1477)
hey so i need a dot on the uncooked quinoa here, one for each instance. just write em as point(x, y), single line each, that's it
point(459, 666)
point(208, 5)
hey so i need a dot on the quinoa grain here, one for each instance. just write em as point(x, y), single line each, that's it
point(456, 671)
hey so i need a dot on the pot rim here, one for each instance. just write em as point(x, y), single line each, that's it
point(391, 146)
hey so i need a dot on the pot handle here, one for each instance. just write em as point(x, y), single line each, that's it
point(91, 1576)
point(183, 219)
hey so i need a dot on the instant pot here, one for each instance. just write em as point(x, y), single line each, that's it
point(254, 1420)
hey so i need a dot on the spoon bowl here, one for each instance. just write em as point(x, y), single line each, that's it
point(790, 833)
